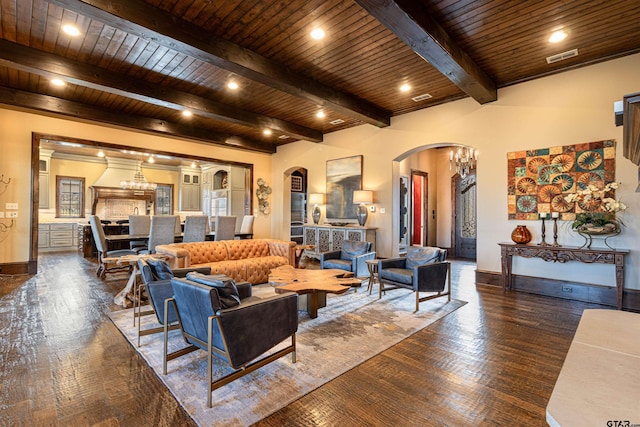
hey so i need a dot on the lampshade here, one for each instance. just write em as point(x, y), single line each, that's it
point(363, 196)
point(316, 198)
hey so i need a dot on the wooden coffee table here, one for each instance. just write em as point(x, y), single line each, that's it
point(316, 283)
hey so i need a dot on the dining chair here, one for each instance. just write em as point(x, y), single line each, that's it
point(162, 232)
point(139, 225)
point(225, 227)
point(247, 224)
point(195, 228)
point(103, 252)
point(177, 229)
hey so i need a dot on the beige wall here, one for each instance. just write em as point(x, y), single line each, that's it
point(16, 129)
point(567, 108)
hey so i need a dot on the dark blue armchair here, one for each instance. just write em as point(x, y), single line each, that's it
point(156, 279)
point(351, 258)
point(423, 270)
point(230, 324)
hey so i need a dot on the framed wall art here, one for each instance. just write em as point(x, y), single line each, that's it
point(344, 176)
point(539, 180)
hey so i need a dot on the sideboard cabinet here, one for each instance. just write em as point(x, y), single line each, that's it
point(329, 238)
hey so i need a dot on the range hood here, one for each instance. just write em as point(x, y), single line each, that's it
point(107, 186)
point(117, 170)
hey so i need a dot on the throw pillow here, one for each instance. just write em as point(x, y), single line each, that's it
point(160, 269)
point(417, 256)
point(225, 286)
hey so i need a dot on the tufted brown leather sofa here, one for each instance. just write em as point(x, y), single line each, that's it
point(243, 260)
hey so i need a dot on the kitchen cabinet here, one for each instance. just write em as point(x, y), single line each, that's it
point(329, 238)
point(57, 237)
point(224, 191)
point(189, 189)
point(43, 179)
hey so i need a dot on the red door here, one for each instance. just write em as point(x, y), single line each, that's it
point(419, 203)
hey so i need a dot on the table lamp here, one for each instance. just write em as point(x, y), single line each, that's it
point(316, 199)
point(363, 197)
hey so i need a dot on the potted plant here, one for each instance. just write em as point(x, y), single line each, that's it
point(596, 209)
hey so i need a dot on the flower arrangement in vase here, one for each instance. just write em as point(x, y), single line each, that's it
point(597, 214)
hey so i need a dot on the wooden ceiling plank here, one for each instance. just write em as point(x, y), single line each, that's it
point(38, 24)
point(66, 108)
point(8, 21)
point(136, 17)
point(412, 24)
point(289, 42)
point(181, 7)
point(277, 22)
point(91, 35)
point(345, 42)
point(114, 45)
point(246, 15)
point(47, 64)
point(211, 16)
point(23, 17)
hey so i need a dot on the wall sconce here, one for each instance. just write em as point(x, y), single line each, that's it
point(363, 197)
point(316, 199)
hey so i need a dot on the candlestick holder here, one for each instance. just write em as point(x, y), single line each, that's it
point(543, 242)
point(555, 233)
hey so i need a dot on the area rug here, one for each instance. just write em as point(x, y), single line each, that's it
point(352, 328)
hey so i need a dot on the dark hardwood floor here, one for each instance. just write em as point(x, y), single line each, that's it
point(492, 362)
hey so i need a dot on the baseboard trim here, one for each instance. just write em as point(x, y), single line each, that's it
point(11, 268)
point(577, 291)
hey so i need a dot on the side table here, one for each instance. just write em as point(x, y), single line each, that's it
point(299, 251)
point(372, 265)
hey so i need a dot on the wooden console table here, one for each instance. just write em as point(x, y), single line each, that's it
point(563, 254)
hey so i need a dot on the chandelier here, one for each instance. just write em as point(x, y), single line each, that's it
point(464, 160)
point(139, 182)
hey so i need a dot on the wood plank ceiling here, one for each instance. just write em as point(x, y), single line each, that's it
point(139, 64)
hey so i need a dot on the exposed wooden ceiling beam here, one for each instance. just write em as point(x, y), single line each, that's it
point(413, 24)
point(77, 110)
point(34, 61)
point(142, 20)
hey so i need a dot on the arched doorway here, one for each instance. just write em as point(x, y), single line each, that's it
point(294, 205)
point(439, 219)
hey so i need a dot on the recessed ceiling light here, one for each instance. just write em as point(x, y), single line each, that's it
point(100, 153)
point(320, 114)
point(233, 85)
point(557, 36)
point(405, 88)
point(187, 113)
point(151, 159)
point(317, 34)
point(71, 30)
point(267, 132)
point(57, 82)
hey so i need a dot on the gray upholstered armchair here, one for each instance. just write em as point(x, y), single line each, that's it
point(423, 270)
point(156, 279)
point(351, 258)
point(229, 323)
